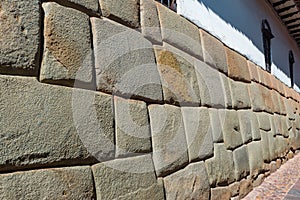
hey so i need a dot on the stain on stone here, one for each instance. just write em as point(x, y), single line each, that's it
point(168, 59)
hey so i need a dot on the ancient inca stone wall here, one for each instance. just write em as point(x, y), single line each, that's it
point(128, 100)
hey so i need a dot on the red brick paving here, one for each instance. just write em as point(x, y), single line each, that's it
point(284, 184)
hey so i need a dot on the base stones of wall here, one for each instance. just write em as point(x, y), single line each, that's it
point(237, 66)
point(132, 127)
point(188, 183)
point(67, 46)
point(241, 162)
point(198, 131)
point(57, 183)
point(170, 151)
point(220, 168)
point(20, 37)
point(220, 193)
point(245, 187)
point(255, 158)
point(124, 61)
point(213, 51)
point(216, 125)
point(179, 32)
point(240, 95)
point(126, 11)
point(245, 118)
point(128, 178)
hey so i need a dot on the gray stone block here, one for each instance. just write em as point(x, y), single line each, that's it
point(132, 127)
point(257, 101)
point(211, 88)
point(20, 37)
point(92, 5)
point(128, 178)
point(264, 121)
point(225, 84)
point(231, 129)
point(265, 146)
point(179, 32)
point(170, 151)
point(124, 61)
point(188, 183)
point(241, 162)
point(219, 193)
point(245, 119)
point(216, 123)
point(67, 46)
point(198, 131)
point(57, 125)
point(255, 127)
point(239, 94)
point(220, 168)
point(54, 183)
point(125, 12)
point(150, 25)
point(256, 160)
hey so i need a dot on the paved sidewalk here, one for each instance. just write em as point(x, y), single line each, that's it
point(284, 184)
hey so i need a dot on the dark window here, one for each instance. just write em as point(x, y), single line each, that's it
point(169, 3)
point(291, 63)
point(267, 36)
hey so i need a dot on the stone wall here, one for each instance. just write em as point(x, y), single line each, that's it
point(128, 100)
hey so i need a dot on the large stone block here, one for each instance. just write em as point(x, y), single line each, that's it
point(267, 96)
point(257, 101)
point(67, 46)
point(20, 36)
point(179, 32)
point(225, 84)
point(188, 183)
point(150, 25)
point(219, 193)
point(128, 178)
point(216, 123)
point(264, 121)
point(54, 183)
point(213, 51)
point(276, 103)
point(198, 131)
point(265, 145)
point(126, 11)
point(211, 87)
point(220, 168)
point(231, 129)
point(132, 127)
point(253, 71)
point(256, 160)
point(91, 5)
point(245, 118)
point(170, 151)
point(237, 66)
point(124, 61)
point(240, 94)
point(44, 125)
point(255, 127)
point(241, 162)
point(179, 80)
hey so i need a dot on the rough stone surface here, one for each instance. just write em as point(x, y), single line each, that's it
point(241, 162)
point(198, 131)
point(124, 61)
point(220, 193)
point(179, 32)
point(257, 101)
point(170, 150)
point(220, 168)
point(225, 84)
point(237, 66)
point(54, 183)
point(128, 178)
point(216, 123)
point(178, 77)
point(211, 88)
point(213, 51)
point(92, 5)
point(245, 119)
point(275, 95)
point(255, 158)
point(149, 21)
point(126, 11)
point(264, 121)
point(20, 36)
point(188, 183)
point(245, 187)
point(67, 46)
point(239, 94)
point(255, 127)
point(231, 129)
point(132, 127)
point(253, 71)
point(265, 146)
point(267, 96)
point(57, 125)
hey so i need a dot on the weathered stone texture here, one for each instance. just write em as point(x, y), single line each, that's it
point(227, 92)
point(257, 101)
point(178, 77)
point(241, 162)
point(264, 121)
point(179, 32)
point(237, 66)
point(245, 118)
point(219, 193)
point(265, 146)
point(55, 183)
point(245, 187)
point(220, 168)
point(67, 46)
point(255, 127)
point(198, 131)
point(49, 125)
point(188, 183)
point(267, 96)
point(170, 150)
point(216, 124)
point(128, 178)
point(124, 61)
point(253, 71)
point(132, 127)
point(92, 5)
point(255, 158)
point(125, 11)
point(150, 25)
point(20, 36)
point(239, 94)
point(213, 51)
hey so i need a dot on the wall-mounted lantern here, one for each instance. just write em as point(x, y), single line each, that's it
point(267, 36)
point(291, 63)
